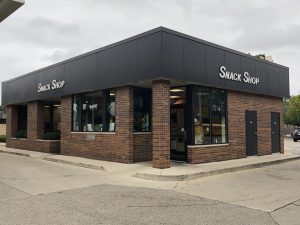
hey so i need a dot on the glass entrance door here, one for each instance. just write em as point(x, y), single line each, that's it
point(178, 134)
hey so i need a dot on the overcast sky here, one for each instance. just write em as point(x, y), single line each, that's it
point(43, 32)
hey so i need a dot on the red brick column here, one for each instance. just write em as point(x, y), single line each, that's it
point(161, 124)
point(35, 121)
point(11, 121)
point(66, 117)
point(124, 121)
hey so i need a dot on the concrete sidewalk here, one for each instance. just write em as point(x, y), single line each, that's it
point(183, 171)
point(177, 172)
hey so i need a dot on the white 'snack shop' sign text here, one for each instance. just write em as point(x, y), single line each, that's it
point(55, 84)
point(245, 77)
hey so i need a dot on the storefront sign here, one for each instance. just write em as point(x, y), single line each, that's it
point(245, 77)
point(55, 84)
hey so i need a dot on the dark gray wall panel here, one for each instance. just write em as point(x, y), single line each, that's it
point(214, 59)
point(47, 76)
point(262, 71)
point(149, 56)
point(172, 56)
point(274, 81)
point(160, 53)
point(233, 63)
point(248, 65)
point(117, 65)
point(284, 82)
point(81, 74)
point(194, 61)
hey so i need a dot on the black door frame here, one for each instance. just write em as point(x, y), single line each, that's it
point(185, 142)
point(274, 134)
point(188, 122)
point(250, 133)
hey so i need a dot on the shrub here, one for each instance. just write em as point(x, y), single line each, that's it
point(2, 138)
point(21, 134)
point(55, 135)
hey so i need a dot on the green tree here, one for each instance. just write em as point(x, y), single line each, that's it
point(292, 110)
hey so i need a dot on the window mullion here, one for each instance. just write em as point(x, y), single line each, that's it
point(210, 114)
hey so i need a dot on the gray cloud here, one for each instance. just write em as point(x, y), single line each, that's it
point(258, 38)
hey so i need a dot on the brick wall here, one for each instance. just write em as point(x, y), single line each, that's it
point(35, 130)
point(128, 147)
point(238, 102)
point(117, 146)
point(142, 147)
point(161, 124)
point(11, 121)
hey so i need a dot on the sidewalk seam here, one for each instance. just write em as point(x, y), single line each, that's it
point(88, 166)
point(197, 175)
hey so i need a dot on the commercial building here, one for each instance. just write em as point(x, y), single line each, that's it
point(160, 96)
point(7, 7)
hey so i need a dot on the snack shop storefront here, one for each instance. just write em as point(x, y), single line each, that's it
point(158, 96)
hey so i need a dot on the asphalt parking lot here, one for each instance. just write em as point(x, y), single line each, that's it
point(36, 192)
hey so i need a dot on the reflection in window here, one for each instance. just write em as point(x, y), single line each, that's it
point(76, 113)
point(110, 110)
point(94, 111)
point(202, 115)
point(91, 116)
point(210, 111)
point(218, 116)
point(142, 109)
point(51, 117)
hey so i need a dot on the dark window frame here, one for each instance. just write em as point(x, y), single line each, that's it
point(148, 92)
point(191, 103)
point(105, 123)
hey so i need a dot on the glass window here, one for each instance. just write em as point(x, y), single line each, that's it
point(76, 113)
point(22, 118)
point(111, 110)
point(210, 112)
point(142, 110)
point(94, 111)
point(51, 117)
point(177, 96)
point(218, 116)
point(91, 115)
point(202, 115)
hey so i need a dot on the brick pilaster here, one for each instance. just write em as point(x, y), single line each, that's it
point(11, 121)
point(35, 121)
point(124, 121)
point(161, 124)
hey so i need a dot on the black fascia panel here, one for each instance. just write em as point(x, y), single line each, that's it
point(155, 54)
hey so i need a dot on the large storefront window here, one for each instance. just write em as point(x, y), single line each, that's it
point(142, 110)
point(22, 122)
point(218, 116)
point(51, 117)
point(210, 111)
point(94, 112)
point(110, 110)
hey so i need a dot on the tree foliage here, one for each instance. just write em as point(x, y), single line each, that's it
point(292, 110)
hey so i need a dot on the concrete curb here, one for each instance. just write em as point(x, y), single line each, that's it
point(15, 153)
point(193, 176)
point(89, 166)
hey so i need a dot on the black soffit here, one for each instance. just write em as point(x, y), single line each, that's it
point(158, 53)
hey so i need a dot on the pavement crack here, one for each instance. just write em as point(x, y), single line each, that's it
point(295, 204)
point(291, 203)
point(16, 188)
point(273, 218)
point(169, 206)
